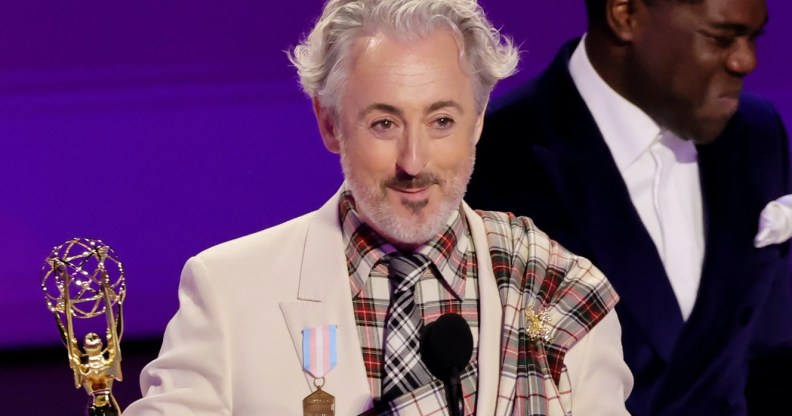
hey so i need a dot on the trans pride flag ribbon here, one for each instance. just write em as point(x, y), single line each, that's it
point(319, 349)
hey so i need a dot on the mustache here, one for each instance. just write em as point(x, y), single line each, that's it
point(406, 181)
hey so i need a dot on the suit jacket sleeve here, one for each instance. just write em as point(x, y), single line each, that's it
point(601, 380)
point(189, 376)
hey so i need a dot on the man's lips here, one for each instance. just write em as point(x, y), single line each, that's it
point(413, 193)
point(729, 101)
point(731, 94)
point(412, 190)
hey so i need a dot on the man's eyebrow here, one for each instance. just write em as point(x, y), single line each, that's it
point(387, 108)
point(739, 28)
point(443, 104)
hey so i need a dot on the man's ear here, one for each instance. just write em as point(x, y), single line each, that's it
point(621, 17)
point(327, 126)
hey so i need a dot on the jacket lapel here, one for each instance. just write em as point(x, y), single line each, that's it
point(490, 315)
point(324, 298)
point(731, 215)
point(578, 160)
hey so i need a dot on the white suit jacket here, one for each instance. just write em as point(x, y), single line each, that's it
point(235, 344)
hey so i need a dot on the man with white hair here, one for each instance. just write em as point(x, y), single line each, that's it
point(329, 313)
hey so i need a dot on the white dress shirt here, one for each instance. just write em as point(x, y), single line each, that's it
point(661, 173)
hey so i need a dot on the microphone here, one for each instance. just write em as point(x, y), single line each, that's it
point(446, 347)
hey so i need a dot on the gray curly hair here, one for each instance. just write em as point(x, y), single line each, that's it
point(319, 58)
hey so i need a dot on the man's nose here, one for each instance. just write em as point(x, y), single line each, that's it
point(742, 60)
point(413, 152)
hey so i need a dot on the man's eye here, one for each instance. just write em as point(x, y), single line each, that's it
point(722, 41)
point(444, 122)
point(382, 124)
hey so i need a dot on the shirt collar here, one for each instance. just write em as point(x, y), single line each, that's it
point(449, 251)
point(627, 130)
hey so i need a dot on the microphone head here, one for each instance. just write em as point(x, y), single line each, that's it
point(446, 345)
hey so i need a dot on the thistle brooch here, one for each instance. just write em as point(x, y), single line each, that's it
point(537, 325)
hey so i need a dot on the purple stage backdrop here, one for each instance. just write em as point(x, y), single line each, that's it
point(165, 127)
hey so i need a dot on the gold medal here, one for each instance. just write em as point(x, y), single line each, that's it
point(319, 403)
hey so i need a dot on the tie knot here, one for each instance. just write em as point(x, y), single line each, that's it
point(404, 269)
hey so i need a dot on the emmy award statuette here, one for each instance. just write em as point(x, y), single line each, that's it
point(83, 281)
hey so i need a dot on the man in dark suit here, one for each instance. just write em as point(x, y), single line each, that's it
point(644, 156)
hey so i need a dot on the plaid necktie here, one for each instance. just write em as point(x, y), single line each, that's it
point(403, 371)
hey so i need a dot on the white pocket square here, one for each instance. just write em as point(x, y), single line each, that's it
point(775, 222)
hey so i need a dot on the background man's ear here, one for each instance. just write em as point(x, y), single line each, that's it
point(620, 16)
point(327, 126)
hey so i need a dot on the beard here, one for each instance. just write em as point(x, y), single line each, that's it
point(418, 225)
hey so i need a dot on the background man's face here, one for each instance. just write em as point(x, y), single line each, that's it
point(407, 130)
point(689, 61)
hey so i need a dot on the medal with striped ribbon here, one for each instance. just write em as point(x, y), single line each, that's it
point(319, 357)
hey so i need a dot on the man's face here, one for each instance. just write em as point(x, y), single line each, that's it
point(406, 131)
point(689, 61)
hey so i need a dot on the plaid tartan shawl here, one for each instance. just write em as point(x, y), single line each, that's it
point(551, 298)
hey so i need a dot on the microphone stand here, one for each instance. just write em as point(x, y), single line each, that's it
point(453, 389)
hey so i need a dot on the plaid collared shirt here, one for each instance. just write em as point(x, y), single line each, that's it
point(450, 285)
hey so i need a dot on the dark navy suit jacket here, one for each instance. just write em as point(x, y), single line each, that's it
point(542, 155)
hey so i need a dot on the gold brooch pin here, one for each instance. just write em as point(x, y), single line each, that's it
point(537, 325)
